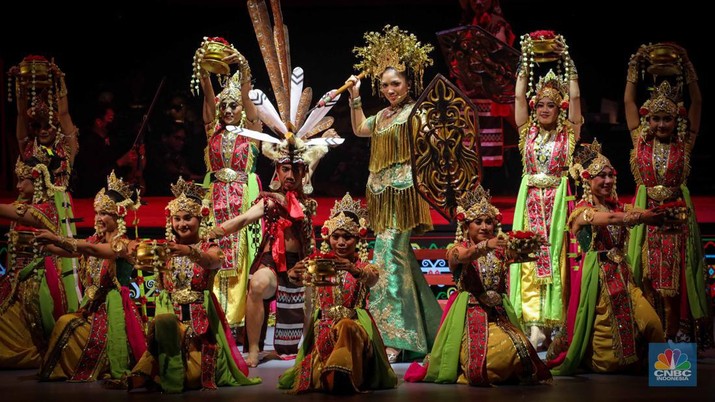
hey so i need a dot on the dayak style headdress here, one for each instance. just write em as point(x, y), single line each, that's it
point(189, 197)
point(588, 162)
point(116, 199)
point(666, 98)
point(292, 122)
point(351, 216)
point(394, 48)
point(471, 205)
point(35, 168)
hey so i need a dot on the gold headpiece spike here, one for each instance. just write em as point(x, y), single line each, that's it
point(588, 158)
point(232, 91)
point(22, 170)
point(394, 48)
point(189, 197)
point(115, 183)
point(475, 203)
point(550, 86)
point(340, 220)
point(665, 98)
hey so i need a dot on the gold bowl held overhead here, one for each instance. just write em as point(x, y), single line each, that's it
point(35, 72)
point(322, 272)
point(544, 50)
point(213, 58)
point(663, 59)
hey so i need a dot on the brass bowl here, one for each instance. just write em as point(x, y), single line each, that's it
point(213, 58)
point(150, 255)
point(663, 60)
point(322, 272)
point(544, 50)
point(41, 70)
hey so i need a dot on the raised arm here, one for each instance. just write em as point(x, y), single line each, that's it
point(76, 246)
point(696, 100)
point(575, 116)
point(629, 97)
point(459, 254)
point(209, 107)
point(357, 116)
point(589, 216)
point(24, 214)
point(209, 259)
point(237, 223)
point(521, 105)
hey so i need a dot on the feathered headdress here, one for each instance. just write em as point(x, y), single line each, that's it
point(292, 122)
point(394, 48)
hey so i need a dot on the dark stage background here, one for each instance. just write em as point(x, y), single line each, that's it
point(127, 47)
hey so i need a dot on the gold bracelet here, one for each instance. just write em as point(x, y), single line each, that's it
point(68, 243)
point(632, 76)
point(194, 254)
point(632, 218)
point(20, 209)
point(356, 103)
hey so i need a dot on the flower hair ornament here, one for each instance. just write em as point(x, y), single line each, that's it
point(665, 98)
point(103, 202)
point(393, 48)
point(343, 216)
point(189, 197)
point(35, 168)
point(471, 205)
point(588, 162)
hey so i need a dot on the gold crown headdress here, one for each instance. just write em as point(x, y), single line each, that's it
point(103, 202)
point(664, 98)
point(552, 87)
point(394, 48)
point(588, 162)
point(340, 220)
point(189, 197)
point(470, 206)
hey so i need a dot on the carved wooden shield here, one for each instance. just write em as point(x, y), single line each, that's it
point(445, 149)
point(483, 66)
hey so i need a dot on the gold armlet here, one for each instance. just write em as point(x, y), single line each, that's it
point(119, 245)
point(632, 218)
point(68, 243)
point(588, 214)
point(20, 209)
point(632, 75)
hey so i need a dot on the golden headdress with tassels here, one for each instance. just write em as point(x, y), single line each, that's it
point(104, 203)
point(471, 205)
point(588, 161)
point(189, 197)
point(394, 48)
point(342, 216)
point(232, 90)
point(35, 168)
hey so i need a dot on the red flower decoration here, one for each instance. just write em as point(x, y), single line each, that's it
point(362, 232)
point(167, 213)
point(121, 211)
point(521, 234)
point(139, 280)
point(205, 211)
point(321, 255)
point(325, 231)
point(532, 102)
point(34, 57)
point(542, 34)
point(35, 174)
point(142, 300)
point(219, 40)
point(586, 175)
point(615, 172)
point(682, 112)
point(460, 216)
point(564, 105)
point(499, 217)
point(643, 111)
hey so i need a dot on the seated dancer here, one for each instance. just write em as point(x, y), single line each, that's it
point(343, 350)
point(32, 295)
point(609, 322)
point(479, 341)
point(190, 342)
point(105, 337)
point(288, 239)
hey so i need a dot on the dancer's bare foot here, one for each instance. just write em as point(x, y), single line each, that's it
point(252, 359)
point(392, 354)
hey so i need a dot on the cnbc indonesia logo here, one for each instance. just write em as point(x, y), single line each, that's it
point(672, 365)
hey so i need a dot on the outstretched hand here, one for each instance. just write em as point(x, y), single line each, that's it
point(44, 236)
point(653, 217)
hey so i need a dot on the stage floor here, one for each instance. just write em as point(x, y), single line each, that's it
point(21, 386)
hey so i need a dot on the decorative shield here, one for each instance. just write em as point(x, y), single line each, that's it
point(445, 147)
point(483, 66)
